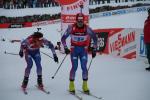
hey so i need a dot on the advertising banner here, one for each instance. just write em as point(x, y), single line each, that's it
point(126, 43)
point(16, 25)
point(141, 48)
point(102, 38)
point(123, 43)
point(70, 8)
point(29, 24)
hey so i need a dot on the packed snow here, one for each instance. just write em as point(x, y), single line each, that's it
point(112, 78)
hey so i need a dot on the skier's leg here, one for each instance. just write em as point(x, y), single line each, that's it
point(74, 61)
point(148, 55)
point(83, 60)
point(29, 65)
point(25, 82)
point(37, 59)
point(148, 52)
point(27, 70)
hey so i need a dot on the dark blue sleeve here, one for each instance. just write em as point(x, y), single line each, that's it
point(92, 35)
point(24, 44)
point(50, 45)
point(65, 36)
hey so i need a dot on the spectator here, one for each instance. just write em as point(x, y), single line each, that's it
point(147, 37)
point(1, 3)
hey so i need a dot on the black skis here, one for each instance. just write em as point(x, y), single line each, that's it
point(75, 95)
point(90, 94)
point(42, 89)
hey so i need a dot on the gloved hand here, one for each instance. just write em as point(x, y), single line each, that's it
point(67, 51)
point(93, 52)
point(21, 53)
point(55, 58)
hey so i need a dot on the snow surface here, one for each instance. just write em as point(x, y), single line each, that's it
point(113, 78)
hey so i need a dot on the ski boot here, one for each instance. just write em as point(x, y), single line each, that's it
point(85, 87)
point(71, 87)
point(25, 82)
point(39, 82)
point(148, 68)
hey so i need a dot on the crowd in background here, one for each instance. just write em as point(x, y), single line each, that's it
point(108, 8)
point(17, 4)
point(32, 18)
point(44, 17)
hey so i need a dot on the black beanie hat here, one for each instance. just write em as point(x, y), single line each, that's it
point(37, 35)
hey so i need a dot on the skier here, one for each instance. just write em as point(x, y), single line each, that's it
point(80, 38)
point(30, 47)
point(147, 37)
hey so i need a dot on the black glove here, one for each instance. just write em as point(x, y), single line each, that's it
point(93, 52)
point(67, 51)
point(21, 53)
point(55, 58)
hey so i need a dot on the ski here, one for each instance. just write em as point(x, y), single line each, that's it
point(75, 95)
point(42, 89)
point(24, 91)
point(90, 94)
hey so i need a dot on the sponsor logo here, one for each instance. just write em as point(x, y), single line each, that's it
point(101, 41)
point(107, 14)
point(141, 9)
point(70, 18)
point(16, 26)
point(142, 47)
point(118, 12)
point(122, 41)
point(41, 23)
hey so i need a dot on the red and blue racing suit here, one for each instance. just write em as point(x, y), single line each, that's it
point(32, 51)
point(80, 39)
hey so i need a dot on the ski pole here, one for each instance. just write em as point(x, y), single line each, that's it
point(59, 67)
point(47, 55)
point(90, 64)
point(11, 53)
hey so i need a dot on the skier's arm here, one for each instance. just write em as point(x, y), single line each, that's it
point(92, 35)
point(24, 44)
point(50, 45)
point(65, 36)
point(22, 47)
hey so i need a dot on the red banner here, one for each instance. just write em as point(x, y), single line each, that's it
point(28, 24)
point(121, 42)
point(16, 25)
point(66, 2)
